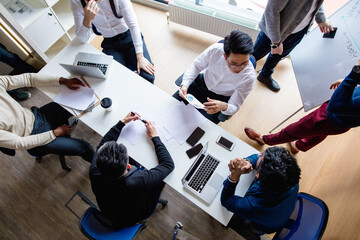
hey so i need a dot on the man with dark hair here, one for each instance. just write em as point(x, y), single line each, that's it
point(283, 25)
point(270, 200)
point(221, 77)
point(125, 192)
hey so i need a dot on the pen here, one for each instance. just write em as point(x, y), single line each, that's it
point(145, 122)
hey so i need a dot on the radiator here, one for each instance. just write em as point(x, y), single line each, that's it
point(207, 23)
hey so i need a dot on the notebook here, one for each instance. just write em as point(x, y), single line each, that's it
point(90, 65)
point(205, 176)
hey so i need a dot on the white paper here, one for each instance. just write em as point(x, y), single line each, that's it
point(79, 99)
point(135, 129)
point(181, 120)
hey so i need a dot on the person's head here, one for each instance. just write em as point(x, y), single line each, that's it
point(277, 170)
point(112, 160)
point(237, 49)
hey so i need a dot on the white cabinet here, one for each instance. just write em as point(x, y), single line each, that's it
point(45, 30)
point(46, 25)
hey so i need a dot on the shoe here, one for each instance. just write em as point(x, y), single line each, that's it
point(19, 95)
point(293, 148)
point(270, 83)
point(253, 135)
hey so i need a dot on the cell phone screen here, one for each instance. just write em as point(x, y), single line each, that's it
point(195, 136)
point(330, 34)
point(226, 143)
point(194, 150)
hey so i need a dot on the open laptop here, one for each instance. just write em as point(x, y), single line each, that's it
point(205, 176)
point(90, 65)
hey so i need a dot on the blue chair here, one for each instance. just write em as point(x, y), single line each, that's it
point(94, 226)
point(308, 220)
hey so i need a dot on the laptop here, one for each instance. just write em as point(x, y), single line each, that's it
point(90, 65)
point(205, 176)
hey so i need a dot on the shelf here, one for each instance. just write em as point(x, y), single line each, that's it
point(63, 11)
point(25, 12)
point(57, 46)
point(51, 2)
point(72, 33)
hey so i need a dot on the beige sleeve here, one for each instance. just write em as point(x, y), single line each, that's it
point(13, 141)
point(28, 80)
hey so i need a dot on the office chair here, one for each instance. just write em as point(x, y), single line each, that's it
point(308, 220)
point(38, 158)
point(95, 226)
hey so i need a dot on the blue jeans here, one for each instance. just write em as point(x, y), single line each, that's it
point(262, 47)
point(200, 91)
point(13, 60)
point(49, 117)
point(121, 47)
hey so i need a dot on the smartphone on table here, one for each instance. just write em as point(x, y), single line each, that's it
point(225, 143)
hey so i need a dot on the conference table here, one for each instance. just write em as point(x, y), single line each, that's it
point(127, 89)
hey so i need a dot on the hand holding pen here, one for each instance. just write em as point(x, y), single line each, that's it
point(130, 117)
point(138, 117)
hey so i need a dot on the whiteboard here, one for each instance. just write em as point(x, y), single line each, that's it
point(319, 61)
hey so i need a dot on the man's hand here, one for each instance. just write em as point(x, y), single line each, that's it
point(335, 84)
point(279, 50)
point(143, 63)
point(151, 129)
point(63, 130)
point(214, 106)
point(325, 27)
point(130, 117)
point(239, 166)
point(90, 11)
point(183, 92)
point(71, 83)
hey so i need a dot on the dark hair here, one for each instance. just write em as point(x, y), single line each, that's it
point(112, 159)
point(278, 171)
point(238, 43)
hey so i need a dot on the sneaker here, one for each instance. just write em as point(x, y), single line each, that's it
point(19, 95)
point(270, 83)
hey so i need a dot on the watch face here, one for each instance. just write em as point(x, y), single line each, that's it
point(356, 68)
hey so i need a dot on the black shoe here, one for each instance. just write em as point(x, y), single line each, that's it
point(270, 83)
point(19, 95)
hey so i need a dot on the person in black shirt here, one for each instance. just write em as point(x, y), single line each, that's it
point(125, 192)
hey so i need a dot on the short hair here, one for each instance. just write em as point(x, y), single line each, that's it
point(238, 43)
point(112, 159)
point(278, 171)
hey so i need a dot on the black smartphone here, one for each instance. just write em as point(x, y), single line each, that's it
point(330, 34)
point(225, 143)
point(192, 152)
point(195, 136)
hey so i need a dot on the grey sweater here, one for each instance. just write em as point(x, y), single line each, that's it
point(282, 16)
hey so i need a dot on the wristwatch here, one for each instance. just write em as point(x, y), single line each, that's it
point(356, 68)
point(275, 45)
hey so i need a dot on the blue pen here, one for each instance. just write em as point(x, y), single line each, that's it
point(145, 122)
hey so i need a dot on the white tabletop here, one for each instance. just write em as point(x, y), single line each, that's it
point(127, 89)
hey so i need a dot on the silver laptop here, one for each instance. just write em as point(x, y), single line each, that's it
point(205, 176)
point(90, 65)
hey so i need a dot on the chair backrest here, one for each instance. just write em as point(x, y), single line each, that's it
point(308, 221)
point(95, 226)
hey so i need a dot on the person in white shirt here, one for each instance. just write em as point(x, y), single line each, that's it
point(221, 77)
point(117, 22)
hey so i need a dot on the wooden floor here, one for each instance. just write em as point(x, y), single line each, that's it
point(33, 195)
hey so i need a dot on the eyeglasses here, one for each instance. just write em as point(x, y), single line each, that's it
point(236, 66)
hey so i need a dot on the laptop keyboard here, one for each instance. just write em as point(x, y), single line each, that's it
point(102, 67)
point(204, 173)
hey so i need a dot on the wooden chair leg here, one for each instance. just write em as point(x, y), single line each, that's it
point(63, 163)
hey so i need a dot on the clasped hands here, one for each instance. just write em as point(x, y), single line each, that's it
point(239, 166)
point(211, 107)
